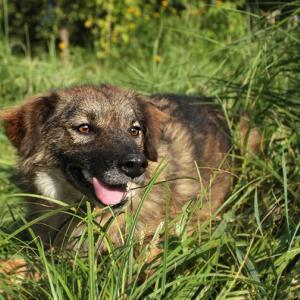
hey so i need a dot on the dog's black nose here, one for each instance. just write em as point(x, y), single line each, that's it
point(133, 165)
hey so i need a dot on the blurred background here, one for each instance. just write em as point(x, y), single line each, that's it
point(114, 28)
point(153, 43)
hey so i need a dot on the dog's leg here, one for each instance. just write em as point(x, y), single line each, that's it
point(250, 138)
point(13, 271)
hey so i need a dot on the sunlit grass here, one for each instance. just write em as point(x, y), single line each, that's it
point(252, 251)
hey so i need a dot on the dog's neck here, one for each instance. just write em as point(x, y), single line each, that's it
point(53, 184)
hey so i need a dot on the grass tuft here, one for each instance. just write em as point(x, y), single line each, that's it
point(253, 250)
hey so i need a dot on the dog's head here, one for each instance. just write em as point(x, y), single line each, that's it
point(101, 138)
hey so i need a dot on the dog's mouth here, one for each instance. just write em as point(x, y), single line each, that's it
point(102, 193)
point(108, 194)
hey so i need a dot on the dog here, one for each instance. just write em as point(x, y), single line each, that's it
point(103, 144)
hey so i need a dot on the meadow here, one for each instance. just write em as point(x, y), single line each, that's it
point(250, 248)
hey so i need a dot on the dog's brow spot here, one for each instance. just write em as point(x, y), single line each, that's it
point(136, 123)
point(92, 115)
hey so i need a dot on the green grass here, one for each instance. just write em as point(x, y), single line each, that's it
point(253, 250)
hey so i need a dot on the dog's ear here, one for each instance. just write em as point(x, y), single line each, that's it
point(153, 119)
point(23, 124)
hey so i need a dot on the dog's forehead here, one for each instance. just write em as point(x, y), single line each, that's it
point(99, 102)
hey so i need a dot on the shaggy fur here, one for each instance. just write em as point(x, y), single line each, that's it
point(57, 161)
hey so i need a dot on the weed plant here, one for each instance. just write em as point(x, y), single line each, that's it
point(250, 248)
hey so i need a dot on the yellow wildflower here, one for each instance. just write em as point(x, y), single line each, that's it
point(157, 58)
point(135, 10)
point(164, 3)
point(88, 23)
point(62, 45)
point(130, 9)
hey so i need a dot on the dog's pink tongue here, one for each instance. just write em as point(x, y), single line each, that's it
point(107, 194)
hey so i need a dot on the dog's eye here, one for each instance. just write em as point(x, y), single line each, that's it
point(135, 130)
point(84, 128)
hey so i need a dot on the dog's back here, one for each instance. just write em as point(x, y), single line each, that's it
point(195, 141)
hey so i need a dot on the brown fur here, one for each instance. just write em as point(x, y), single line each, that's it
point(179, 129)
point(15, 271)
point(251, 141)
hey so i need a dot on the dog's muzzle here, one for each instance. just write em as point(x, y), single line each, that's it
point(109, 187)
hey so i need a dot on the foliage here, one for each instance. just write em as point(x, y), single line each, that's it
point(108, 26)
point(252, 251)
